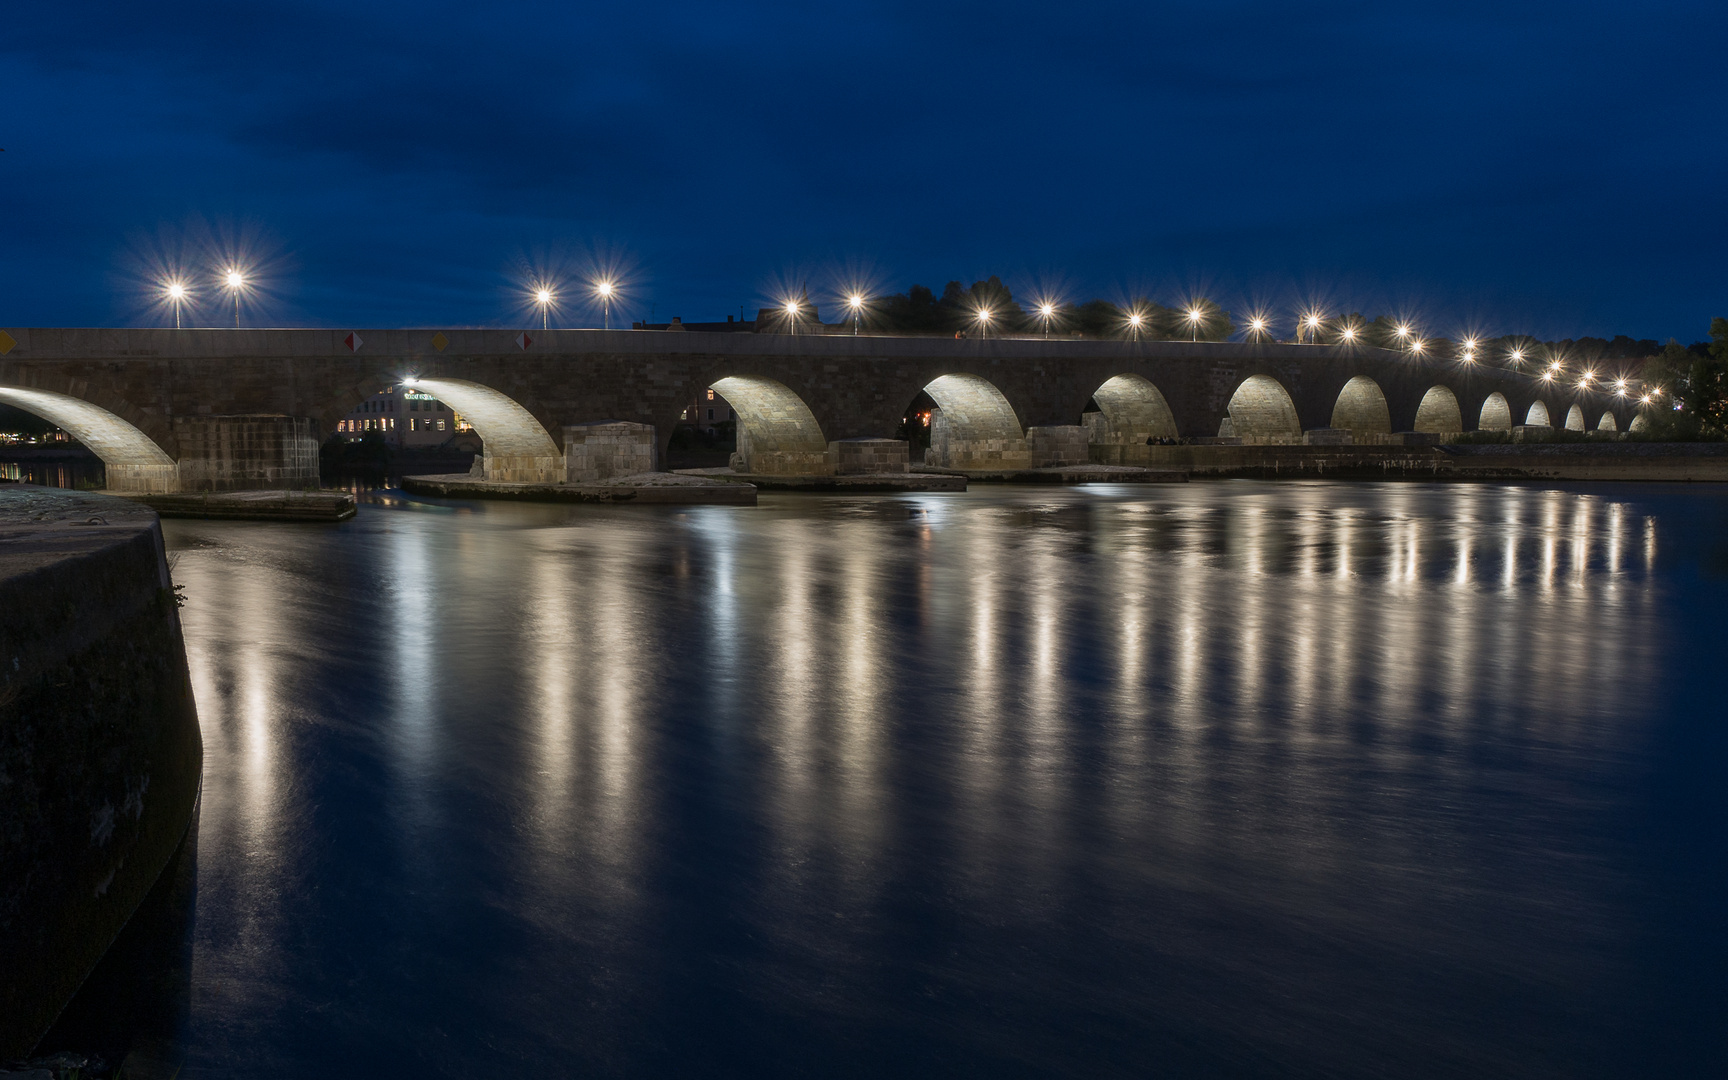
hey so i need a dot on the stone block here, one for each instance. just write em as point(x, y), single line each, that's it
point(595, 452)
point(1532, 433)
point(245, 453)
point(855, 457)
point(1328, 437)
point(522, 468)
point(1057, 445)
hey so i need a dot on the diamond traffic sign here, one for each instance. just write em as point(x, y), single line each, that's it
point(352, 341)
point(439, 341)
point(523, 341)
point(6, 342)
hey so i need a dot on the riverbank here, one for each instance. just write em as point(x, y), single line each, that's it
point(1674, 462)
point(643, 488)
point(310, 506)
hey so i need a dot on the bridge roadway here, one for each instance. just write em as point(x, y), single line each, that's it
point(171, 410)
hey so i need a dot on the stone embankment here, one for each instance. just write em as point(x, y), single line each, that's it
point(99, 745)
point(1566, 461)
point(657, 488)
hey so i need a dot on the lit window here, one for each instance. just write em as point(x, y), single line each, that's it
point(440, 425)
point(710, 395)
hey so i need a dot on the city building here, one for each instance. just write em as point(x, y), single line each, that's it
point(409, 420)
point(707, 411)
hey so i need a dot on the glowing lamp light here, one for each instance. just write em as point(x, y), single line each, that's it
point(1313, 321)
point(235, 279)
point(410, 381)
point(1193, 314)
point(1588, 375)
point(984, 314)
point(854, 301)
point(1135, 319)
point(1517, 356)
point(1620, 384)
point(1548, 376)
point(1256, 325)
point(792, 308)
point(1047, 310)
point(1645, 399)
point(543, 297)
point(1402, 331)
point(1349, 333)
point(604, 288)
point(1416, 346)
point(176, 291)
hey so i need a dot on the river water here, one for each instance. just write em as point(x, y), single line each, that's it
point(1234, 778)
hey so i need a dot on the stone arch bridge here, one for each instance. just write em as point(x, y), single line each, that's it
point(171, 410)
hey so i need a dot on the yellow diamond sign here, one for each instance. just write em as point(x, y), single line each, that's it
point(7, 341)
point(439, 341)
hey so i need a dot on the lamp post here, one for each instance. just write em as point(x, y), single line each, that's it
point(1134, 321)
point(235, 282)
point(1193, 324)
point(856, 303)
point(984, 322)
point(1312, 322)
point(176, 295)
point(1046, 312)
point(543, 297)
point(1257, 328)
point(604, 290)
point(792, 316)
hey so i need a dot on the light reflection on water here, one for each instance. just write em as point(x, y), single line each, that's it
point(1254, 778)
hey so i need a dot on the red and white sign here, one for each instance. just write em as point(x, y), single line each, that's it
point(523, 341)
point(353, 342)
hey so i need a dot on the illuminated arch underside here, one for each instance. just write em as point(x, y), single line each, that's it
point(1261, 409)
point(777, 432)
point(1134, 409)
point(1439, 412)
point(1496, 414)
point(1362, 408)
point(131, 459)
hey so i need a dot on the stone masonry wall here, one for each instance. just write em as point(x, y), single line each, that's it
point(594, 452)
point(247, 453)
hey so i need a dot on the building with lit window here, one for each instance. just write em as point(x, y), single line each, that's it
point(708, 411)
point(408, 420)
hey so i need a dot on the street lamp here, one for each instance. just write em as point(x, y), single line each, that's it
point(1194, 324)
point(856, 303)
point(1134, 321)
point(543, 297)
point(984, 321)
point(235, 282)
point(1517, 357)
point(1349, 335)
point(1046, 312)
point(791, 308)
point(604, 290)
point(1312, 322)
point(176, 292)
point(1257, 327)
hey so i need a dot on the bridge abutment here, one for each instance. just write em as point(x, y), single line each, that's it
point(1058, 444)
point(596, 452)
point(239, 453)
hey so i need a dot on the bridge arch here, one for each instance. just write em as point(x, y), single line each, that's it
point(1607, 423)
point(1261, 409)
point(131, 460)
point(1439, 412)
point(1362, 408)
point(1538, 414)
point(517, 449)
point(777, 432)
point(973, 426)
point(1133, 410)
point(1496, 413)
point(1575, 418)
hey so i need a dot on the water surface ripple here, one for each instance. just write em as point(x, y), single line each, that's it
point(1237, 778)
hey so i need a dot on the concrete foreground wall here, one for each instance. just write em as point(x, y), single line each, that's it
point(99, 745)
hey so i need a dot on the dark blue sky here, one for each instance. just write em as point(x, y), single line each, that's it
point(1555, 169)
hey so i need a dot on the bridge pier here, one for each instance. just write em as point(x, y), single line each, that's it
point(236, 453)
point(951, 449)
point(596, 452)
point(1053, 445)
